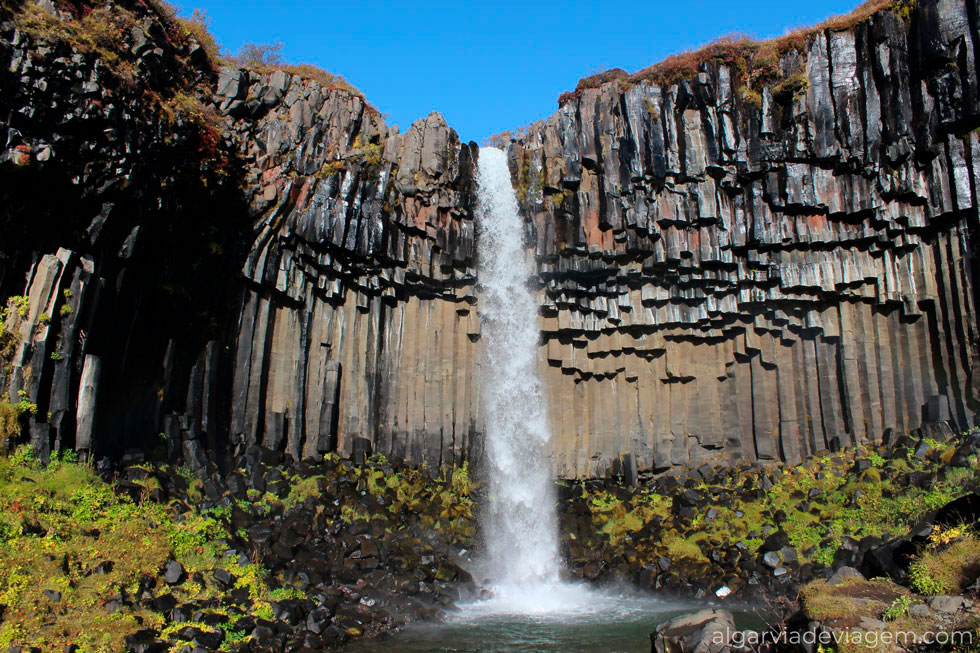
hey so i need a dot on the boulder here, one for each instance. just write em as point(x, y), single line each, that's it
point(843, 574)
point(946, 604)
point(705, 631)
point(174, 573)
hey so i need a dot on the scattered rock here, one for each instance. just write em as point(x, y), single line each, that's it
point(946, 604)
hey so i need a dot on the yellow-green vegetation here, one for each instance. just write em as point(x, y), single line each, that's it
point(837, 602)
point(613, 517)
point(817, 504)
point(844, 608)
point(557, 199)
point(10, 418)
point(61, 524)
point(99, 31)
point(948, 564)
point(330, 168)
point(442, 503)
point(12, 309)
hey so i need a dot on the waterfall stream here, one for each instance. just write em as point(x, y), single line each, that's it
point(520, 525)
point(531, 608)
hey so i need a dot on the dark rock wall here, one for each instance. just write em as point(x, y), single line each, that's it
point(359, 320)
point(121, 223)
point(230, 258)
point(726, 281)
point(720, 281)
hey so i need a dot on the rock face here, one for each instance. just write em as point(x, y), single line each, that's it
point(240, 258)
point(724, 281)
point(358, 319)
point(336, 304)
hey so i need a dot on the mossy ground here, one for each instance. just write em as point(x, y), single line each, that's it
point(61, 524)
point(843, 608)
point(817, 504)
point(63, 528)
point(949, 564)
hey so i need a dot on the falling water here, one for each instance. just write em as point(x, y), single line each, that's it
point(531, 608)
point(521, 525)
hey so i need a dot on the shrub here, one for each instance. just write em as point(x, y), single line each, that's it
point(946, 571)
point(260, 55)
point(197, 26)
point(898, 609)
point(598, 79)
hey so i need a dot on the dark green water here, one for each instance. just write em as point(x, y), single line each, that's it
point(606, 623)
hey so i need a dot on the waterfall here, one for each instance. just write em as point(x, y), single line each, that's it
point(520, 524)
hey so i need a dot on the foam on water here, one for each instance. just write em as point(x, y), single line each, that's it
point(558, 602)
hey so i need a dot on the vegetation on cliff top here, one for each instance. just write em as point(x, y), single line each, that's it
point(756, 63)
point(101, 27)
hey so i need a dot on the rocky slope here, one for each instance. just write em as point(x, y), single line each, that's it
point(728, 272)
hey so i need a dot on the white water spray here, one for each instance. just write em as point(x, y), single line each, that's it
point(521, 525)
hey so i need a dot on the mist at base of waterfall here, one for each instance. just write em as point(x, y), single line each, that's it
point(565, 617)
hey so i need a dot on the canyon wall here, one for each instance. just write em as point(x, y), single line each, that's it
point(727, 279)
point(358, 325)
point(211, 257)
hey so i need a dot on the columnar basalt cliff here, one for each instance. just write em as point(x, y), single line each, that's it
point(358, 323)
point(727, 281)
point(323, 290)
point(227, 257)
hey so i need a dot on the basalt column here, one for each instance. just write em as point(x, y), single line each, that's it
point(729, 281)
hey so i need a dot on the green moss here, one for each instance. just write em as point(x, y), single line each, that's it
point(684, 548)
point(60, 521)
point(301, 491)
point(848, 504)
point(946, 569)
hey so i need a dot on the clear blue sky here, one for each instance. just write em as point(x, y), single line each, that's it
point(488, 66)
